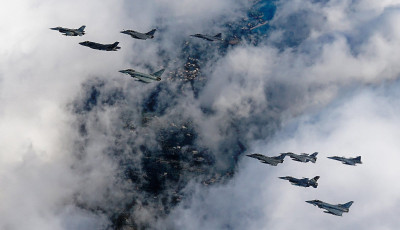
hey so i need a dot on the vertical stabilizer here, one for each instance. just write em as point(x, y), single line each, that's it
point(358, 159)
point(151, 33)
point(347, 205)
point(218, 35)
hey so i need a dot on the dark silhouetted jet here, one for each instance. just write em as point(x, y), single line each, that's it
point(304, 157)
point(144, 77)
point(138, 35)
point(305, 182)
point(334, 209)
point(217, 37)
point(347, 161)
point(274, 161)
point(98, 46)
point(70, 32)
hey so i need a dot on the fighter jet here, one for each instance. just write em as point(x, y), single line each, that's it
point(274, 161)
point(98, 46)
point(70, 32)
point(304, 157)
point(336, 210)
point(217, 37)
point(347, 161)
point(144, 77)
point(138, 35)
point(305, 182)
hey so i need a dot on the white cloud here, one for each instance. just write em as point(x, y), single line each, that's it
point(340, 44)
point(364, 123)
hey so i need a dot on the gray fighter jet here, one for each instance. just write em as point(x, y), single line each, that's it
point(144, 77)
point(304, 157)
point(334, 209)
point(138, 35)
point(70, 32)
point(347, 161)
point(274, 161)
point(98, 46)
point(217, 37)
point(305, 182)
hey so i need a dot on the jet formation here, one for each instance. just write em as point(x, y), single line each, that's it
point(138, 35)
point(214, 38)
point(144, 77)
point(304, 157)
point(347, 161)
point(305, 182)
point(98, 46)
point(334, 209)
point(274, 161)
point(70, 32)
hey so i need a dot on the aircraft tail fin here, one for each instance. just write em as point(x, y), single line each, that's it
point(281, 156)
point(114, 46)
point(158, 73)
point(151, 33)
point(347, 205)
point(358, 159)
point(218, 35)
point(314, 154)
point(315, 178)
point(82, 28)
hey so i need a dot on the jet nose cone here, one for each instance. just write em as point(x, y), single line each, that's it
point(310, 201)
point(55, 28)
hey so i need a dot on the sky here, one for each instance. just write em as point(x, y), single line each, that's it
point(323, 79)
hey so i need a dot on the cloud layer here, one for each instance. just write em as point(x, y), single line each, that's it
point(75, 133)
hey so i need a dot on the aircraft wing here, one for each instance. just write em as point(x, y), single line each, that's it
point(296, 158)
point(69, 33)
point(333, 211)
point(273, 163)
point(143, 79)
